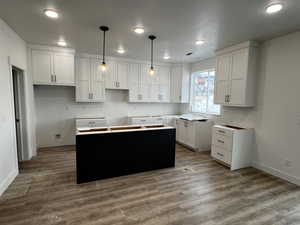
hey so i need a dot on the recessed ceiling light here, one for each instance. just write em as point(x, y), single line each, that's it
point(274, 8)
point(200, 42)
point(121, 51)
point(52, 13)
point(139, 30)
point(62, 43)
point(166, 57)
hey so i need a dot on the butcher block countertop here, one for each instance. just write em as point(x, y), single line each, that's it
point(118, 129)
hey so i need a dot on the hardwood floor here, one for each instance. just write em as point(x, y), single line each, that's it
point(198, 191)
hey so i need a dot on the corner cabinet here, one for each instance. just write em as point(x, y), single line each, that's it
point(180, 84)
point(52, 66)
point(90, 83)
point(236, 75)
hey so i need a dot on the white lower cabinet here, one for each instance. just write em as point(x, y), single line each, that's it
point(232, 146)
point(194, 134)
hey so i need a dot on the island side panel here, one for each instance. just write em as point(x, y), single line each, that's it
point(100, 156)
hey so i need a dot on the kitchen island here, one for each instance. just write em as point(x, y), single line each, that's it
point(107, 152)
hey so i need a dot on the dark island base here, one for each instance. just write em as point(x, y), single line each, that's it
point(107, 155)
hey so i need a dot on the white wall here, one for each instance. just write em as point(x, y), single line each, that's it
point(276, 118)
point(13, 47)
point(56, 109)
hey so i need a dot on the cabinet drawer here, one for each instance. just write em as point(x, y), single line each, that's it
point(221, 154)
point(141, 120)
point(222, 131)
point(222, 141)
point(91, 123)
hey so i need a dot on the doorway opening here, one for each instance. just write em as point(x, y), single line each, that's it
point(19, 108)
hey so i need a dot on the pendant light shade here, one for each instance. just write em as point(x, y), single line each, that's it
point(103, 65)
point(151, 71)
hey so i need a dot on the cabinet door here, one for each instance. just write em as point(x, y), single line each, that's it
point(164, 75)
point(182, 131)
point(145, 93)
point(155, 93)
point(122, 75)
point(238, 76)
point(146, 78)
point(191, 134)
point(185, 85)
point(97, 82)
point(98, 91)
point(83, 75)
point(223, 71)
point(164, 91)
point(42, 67)
point(134, 83)
point(111, 75)
point(176, 78)
point(63, 67)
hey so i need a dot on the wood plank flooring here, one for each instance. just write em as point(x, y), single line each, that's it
point(197, 191)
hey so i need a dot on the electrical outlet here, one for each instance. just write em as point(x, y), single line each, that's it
point(57, 136)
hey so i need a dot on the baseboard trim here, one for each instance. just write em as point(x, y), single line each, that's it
point(9, 179)
point(277, 173)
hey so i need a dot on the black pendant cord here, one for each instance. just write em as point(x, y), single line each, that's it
point(151, 54)
point(152, 38)
point(103, 55)
point(104, 29)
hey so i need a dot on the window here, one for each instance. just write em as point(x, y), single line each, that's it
point(202, 96)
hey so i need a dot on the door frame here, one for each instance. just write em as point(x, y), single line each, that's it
point(22, 99)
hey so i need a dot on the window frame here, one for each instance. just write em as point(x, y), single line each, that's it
point(192, 96)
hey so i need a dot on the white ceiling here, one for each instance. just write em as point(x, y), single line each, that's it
point(177, 24)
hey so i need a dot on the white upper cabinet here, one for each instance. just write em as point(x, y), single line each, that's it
point(116, 76)
point(42, 67)
point(180, 84)
point(83, 75)
point(52, 66)
point(235, 75)
point(63, 68)
point(144, 87)
point(122, 75)
point(90, 84)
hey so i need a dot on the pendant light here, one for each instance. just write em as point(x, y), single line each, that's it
point(152, 38)
point(103, 65)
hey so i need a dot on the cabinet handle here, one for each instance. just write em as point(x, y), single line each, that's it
point(92, 95)
point(221, 131)
point(220, 154)
point(51, 78)
point(179, 97)
point(229, 98)
point(221, 141)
